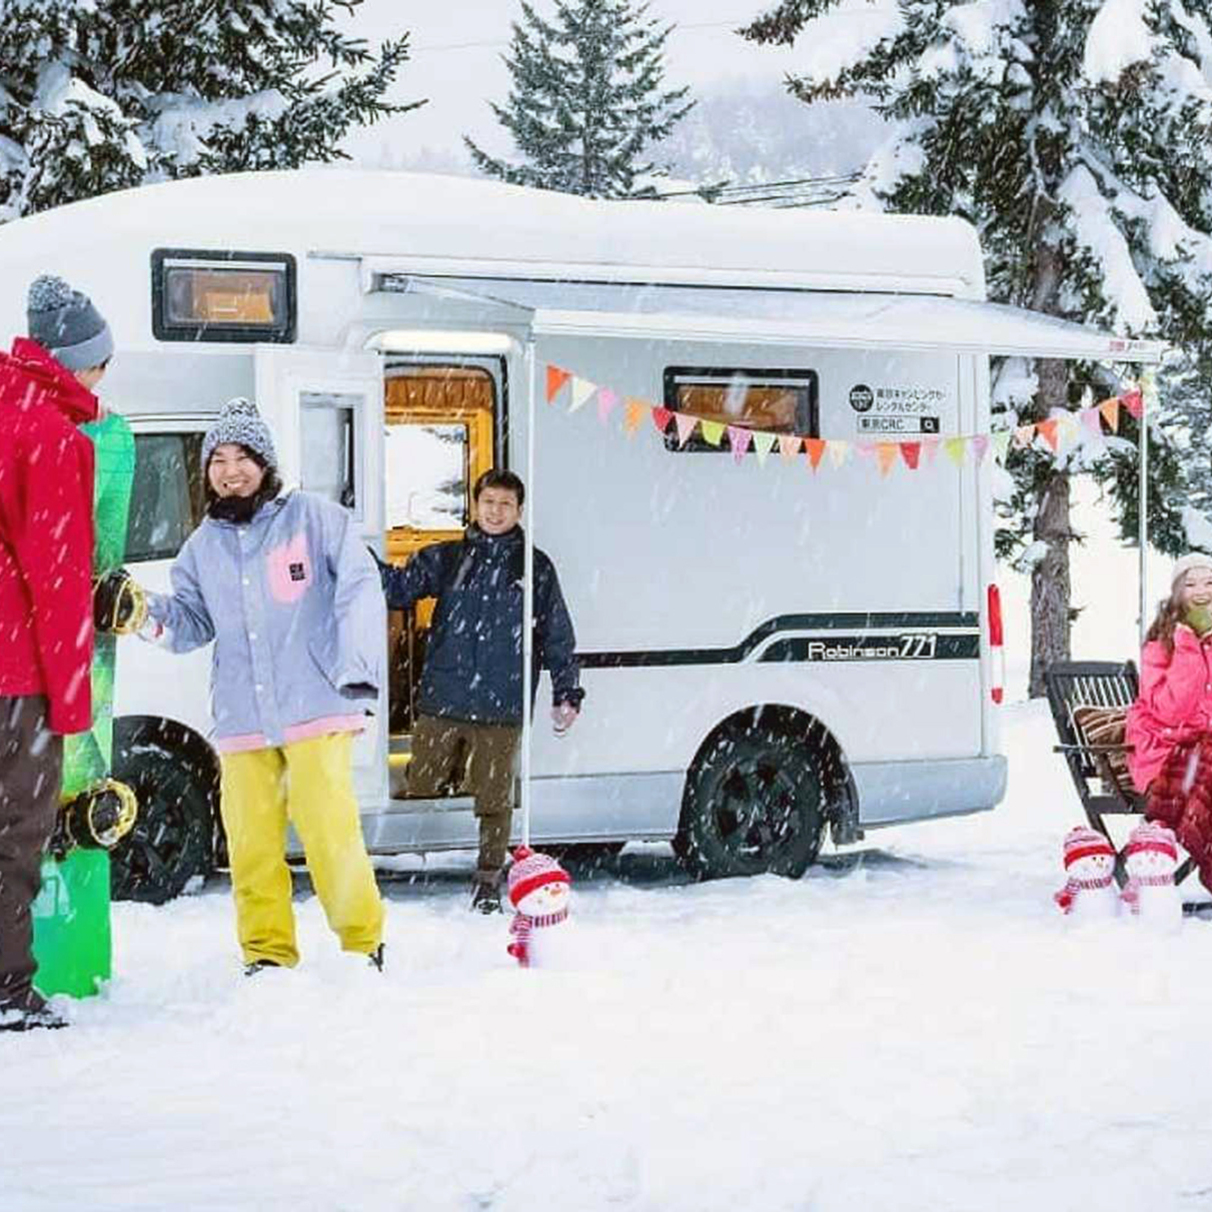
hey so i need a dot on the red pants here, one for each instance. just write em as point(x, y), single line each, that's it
point(1181, 797)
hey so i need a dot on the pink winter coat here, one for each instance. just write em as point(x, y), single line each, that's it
point(1174, 704)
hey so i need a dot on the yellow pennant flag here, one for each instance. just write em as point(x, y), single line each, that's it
point(763, 444)
point(955, 448)
point(712, 431)
point(633, 416)
point(885, 454)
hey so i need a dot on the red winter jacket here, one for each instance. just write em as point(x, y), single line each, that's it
point(1174, 704)
point(46, 535)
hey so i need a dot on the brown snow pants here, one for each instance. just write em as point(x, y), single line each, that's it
point(31, 771)
point(439, 749)
point(1181, 797)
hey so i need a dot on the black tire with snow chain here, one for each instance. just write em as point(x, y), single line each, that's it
point(755, 802)
point(173, 837)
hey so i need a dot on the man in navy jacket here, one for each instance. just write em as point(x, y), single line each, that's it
point(471, 687)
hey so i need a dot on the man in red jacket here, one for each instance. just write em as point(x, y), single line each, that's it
point(46, 625)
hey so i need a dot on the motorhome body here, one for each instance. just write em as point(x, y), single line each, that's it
point(765, 649)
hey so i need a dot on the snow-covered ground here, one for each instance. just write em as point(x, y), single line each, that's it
point(909, 1027)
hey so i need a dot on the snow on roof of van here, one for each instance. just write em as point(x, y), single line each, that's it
point(394, 213)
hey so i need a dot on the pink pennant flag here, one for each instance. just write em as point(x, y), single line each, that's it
point(980, 444)
point(865, 450)
point(738, 437)
point(607, 401)
point(685, 423)
point(789, 445)
point(1091, 418)
point(930, 449)
point(661, 418)
point(1134, 402)
point(1024, 435)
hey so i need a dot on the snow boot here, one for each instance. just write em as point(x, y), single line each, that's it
point(30, 1012)
point(486, 894)
point(259, 966)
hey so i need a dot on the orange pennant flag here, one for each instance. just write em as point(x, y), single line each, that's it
point(911, 452)
point(633, 416)
point(885, 454)
point(1110, 410)
point(556, 378)
point(1049, 430)
point(814, 448)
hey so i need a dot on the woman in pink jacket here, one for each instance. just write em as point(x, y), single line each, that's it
point(1170, 724)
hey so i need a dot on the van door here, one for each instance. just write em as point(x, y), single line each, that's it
point(325, 407)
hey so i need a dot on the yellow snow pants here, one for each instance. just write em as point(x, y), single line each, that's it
point(308, 783)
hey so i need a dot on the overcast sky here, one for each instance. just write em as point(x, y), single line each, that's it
point(457, 47)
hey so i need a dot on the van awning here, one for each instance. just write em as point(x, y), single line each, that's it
point(781, 317)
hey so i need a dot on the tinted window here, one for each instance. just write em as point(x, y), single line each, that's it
point(167, 498)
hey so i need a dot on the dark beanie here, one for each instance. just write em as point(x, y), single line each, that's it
point(66, 324)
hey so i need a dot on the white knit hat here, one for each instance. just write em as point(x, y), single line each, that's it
point(531, 871)
point(1083, 842)
point(1196, 559)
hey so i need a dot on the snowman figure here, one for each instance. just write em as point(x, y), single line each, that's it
point(1150, 893)
point(1089, 893)
point(540, 891)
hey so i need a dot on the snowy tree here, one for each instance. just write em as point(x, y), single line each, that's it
point(1075, 136)
point(587, 99)
point(97, 95)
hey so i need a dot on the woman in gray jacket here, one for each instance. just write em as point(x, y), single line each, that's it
point(290, 596)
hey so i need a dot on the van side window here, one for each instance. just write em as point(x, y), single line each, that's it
point(331, 456)
point(778, 401)
point(168, 499)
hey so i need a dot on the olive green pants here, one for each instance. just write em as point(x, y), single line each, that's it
point(440, 748)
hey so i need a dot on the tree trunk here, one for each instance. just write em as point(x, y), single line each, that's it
point(1050, 584)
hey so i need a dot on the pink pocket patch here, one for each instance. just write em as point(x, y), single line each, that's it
point(290, 570)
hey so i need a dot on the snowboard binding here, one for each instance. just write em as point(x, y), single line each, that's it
point(96, 819)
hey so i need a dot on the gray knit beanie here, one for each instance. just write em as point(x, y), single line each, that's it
point(1196, 559)
point(240, 423)
point(66, 324)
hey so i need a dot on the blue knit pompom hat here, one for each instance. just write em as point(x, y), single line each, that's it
point(66, 324)
point(240, 423)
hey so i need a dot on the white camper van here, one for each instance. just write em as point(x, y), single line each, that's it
point(767, 651)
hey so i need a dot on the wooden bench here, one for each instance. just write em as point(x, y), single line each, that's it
point(1088, 700)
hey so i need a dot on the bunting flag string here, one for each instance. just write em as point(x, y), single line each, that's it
point(1058, 433)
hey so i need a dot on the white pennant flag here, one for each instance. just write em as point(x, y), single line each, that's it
point(582, 392)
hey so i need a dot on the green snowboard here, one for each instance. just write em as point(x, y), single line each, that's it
point(71, 914)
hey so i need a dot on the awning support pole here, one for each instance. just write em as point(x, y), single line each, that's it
point(528, 592)
point(1143, 519)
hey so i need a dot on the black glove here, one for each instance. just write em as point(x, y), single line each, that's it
point(119, 604)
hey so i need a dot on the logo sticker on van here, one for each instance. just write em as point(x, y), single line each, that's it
point(861, 397)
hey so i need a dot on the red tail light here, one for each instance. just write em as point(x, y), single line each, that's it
point(998, 652)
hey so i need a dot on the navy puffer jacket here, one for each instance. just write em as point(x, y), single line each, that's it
point(473, 667)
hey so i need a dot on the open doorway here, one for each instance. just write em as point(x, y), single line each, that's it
point(441, 419)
